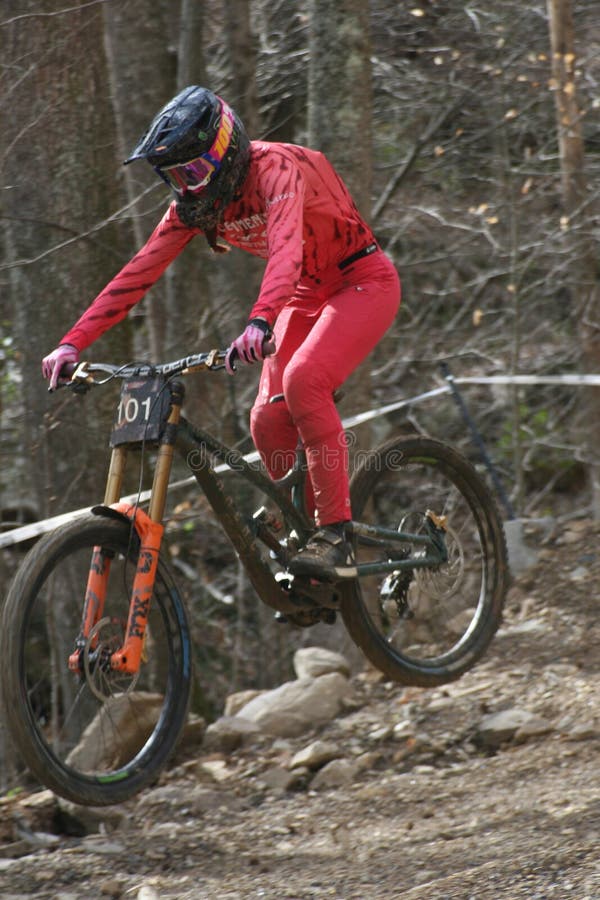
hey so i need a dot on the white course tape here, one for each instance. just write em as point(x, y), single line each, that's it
point(359, 418)
point(573, 380)
point(35, 529)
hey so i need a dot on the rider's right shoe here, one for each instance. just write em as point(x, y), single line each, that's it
point(328, 555)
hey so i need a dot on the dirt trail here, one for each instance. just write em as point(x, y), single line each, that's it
point(433, 812)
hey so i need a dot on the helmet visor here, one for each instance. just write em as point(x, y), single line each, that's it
point(194, 175)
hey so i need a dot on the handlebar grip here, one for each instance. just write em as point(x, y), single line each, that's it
point(268, 349)
point(64, 376)
point(67, 369)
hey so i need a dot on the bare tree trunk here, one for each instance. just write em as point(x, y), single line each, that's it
point(186, 280)
point(577, 222)
point(190, 52)
point(140, 83)
point(242, 53)
point(59, 194)
point(568, 114)
point(52, 279)
point(339, 91)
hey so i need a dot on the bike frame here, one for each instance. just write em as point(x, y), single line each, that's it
point(197, 446)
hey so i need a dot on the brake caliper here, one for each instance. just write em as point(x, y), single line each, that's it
point(436, 529)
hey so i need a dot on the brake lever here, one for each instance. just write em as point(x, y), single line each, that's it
point(76, 377)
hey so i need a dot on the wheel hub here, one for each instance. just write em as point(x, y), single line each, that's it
point(105, 638)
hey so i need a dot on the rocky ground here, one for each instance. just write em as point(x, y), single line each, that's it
point(405, 793)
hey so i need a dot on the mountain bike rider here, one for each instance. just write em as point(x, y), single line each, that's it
point(327, 296)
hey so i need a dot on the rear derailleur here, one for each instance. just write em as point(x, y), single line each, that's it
point(395, 586)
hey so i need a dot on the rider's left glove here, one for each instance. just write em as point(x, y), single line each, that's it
point(251, 346)
point(53, 363)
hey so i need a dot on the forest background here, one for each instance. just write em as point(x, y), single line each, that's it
point(469, 135)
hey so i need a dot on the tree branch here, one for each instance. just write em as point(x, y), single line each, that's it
point(397, 179)
point(79, 237)
point(48, 15)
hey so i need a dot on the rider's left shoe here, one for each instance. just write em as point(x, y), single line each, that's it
point(328, 555)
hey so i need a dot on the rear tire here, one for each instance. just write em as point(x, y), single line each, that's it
point(428, 626)
point(96, 737)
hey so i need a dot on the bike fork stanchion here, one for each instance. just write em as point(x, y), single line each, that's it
point(162, 471)
point(116, 471)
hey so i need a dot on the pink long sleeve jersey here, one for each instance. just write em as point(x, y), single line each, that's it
point(294, 211)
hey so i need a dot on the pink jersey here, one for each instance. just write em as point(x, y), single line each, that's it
point(295, 212)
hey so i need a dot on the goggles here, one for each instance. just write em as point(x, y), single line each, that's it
point(194, 175)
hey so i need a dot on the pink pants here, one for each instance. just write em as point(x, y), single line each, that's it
point(328, 327)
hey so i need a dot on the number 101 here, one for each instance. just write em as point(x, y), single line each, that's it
point(129, 410)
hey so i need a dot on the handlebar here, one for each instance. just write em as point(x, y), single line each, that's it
point(82, 374)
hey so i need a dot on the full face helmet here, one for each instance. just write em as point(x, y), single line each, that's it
point(199, 147)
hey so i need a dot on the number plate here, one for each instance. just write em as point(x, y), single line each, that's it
point(142, 409)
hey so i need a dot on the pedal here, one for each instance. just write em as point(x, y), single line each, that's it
point(307, 617)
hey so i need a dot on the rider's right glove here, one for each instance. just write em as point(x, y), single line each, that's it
point(53, 363)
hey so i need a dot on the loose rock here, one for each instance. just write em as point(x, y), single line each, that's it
point(315, 755)
point(311, 662)
point(298, 706)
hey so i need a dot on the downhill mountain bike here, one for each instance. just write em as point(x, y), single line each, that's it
point(95, 640)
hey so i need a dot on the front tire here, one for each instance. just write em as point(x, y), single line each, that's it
point(427, 626)
point(95, 737)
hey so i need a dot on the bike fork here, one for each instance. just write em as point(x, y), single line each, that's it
point(150, 531)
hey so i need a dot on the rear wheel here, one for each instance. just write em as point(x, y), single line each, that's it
point(97, 736)
point(426, 626)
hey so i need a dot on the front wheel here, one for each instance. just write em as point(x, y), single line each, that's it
point(426, 626)
point(94, 736)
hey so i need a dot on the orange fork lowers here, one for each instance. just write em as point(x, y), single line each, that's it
point(95, 592)
point(95, 595)
point(128, 657)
